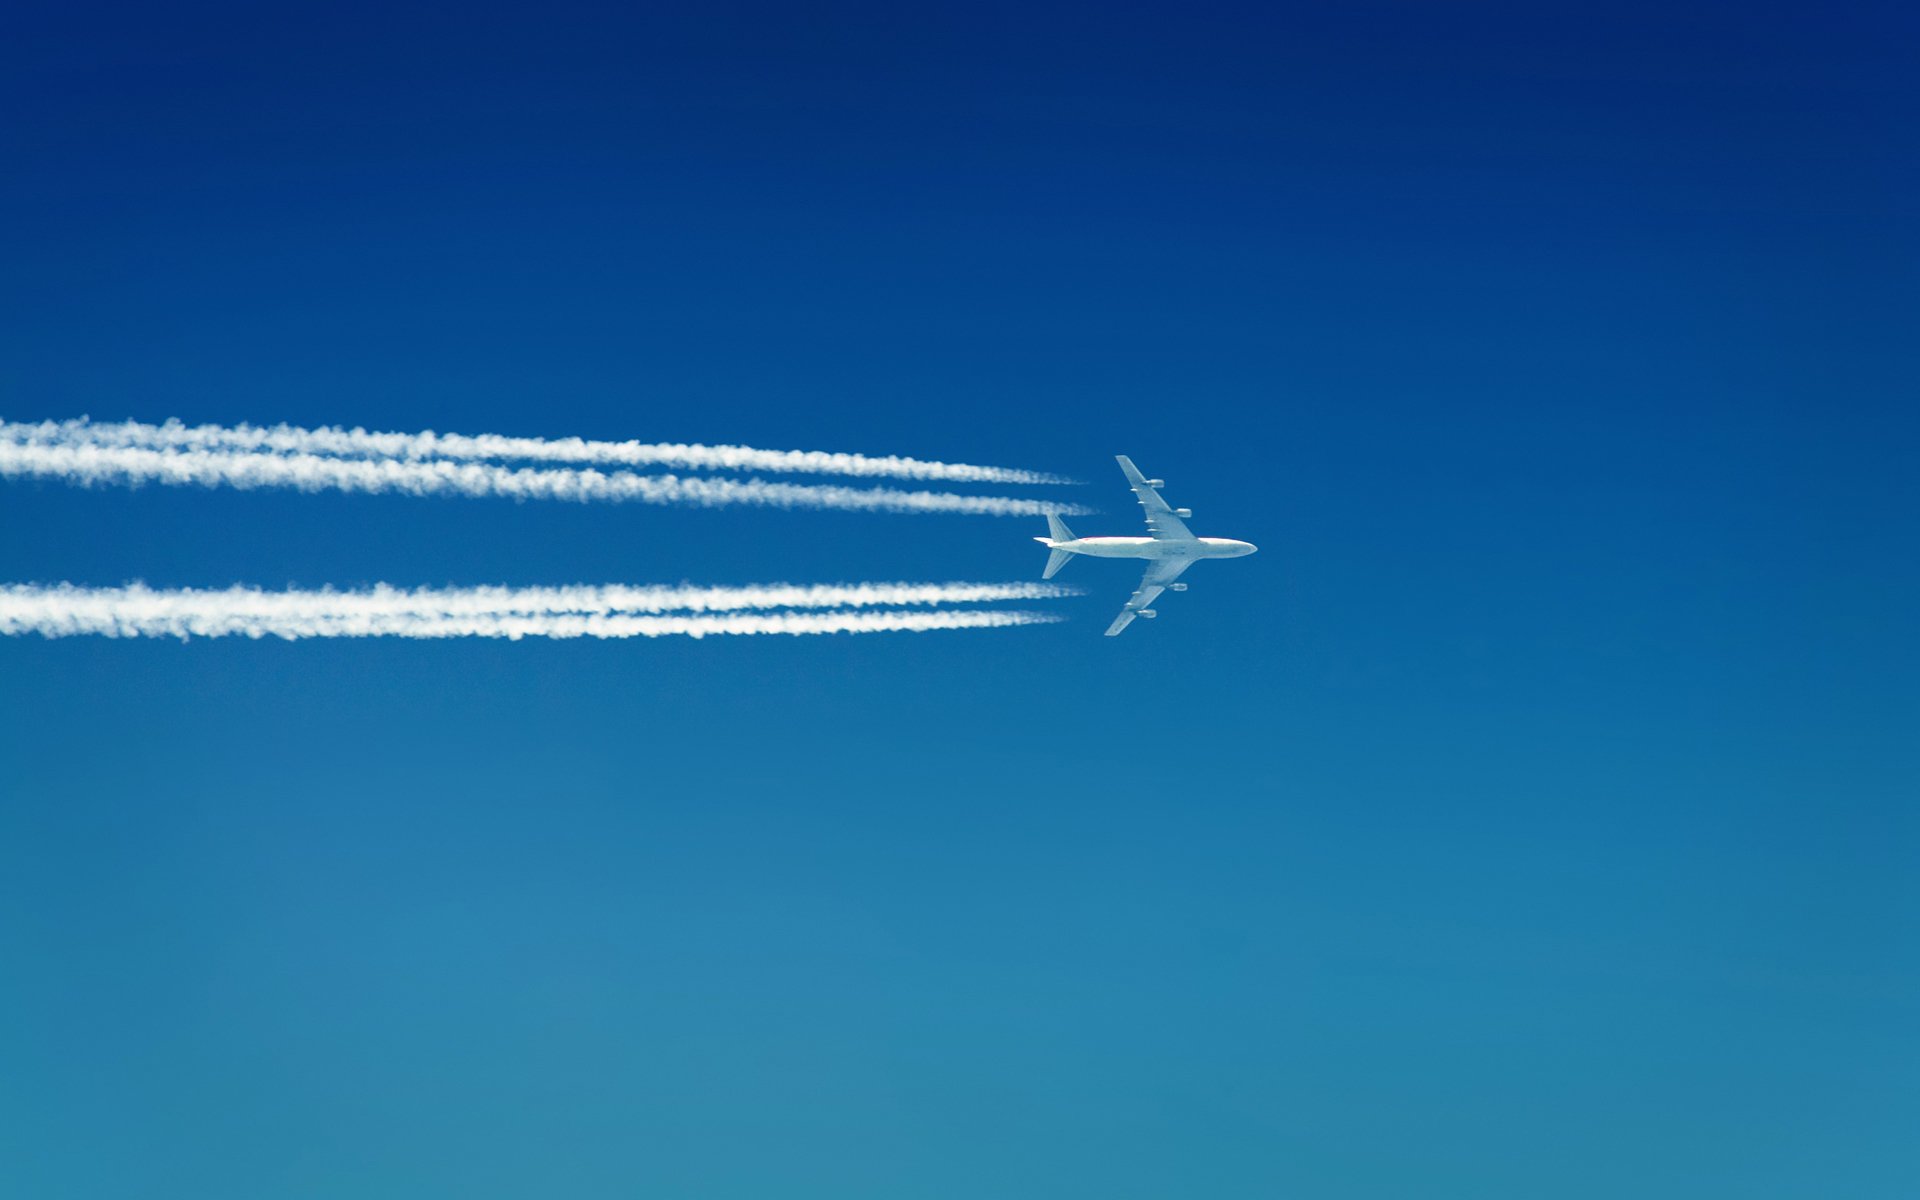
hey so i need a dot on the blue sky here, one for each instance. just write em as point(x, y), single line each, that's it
point(1532, 815)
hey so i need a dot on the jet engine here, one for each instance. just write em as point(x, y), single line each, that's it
point(1148, 613)
point(1182, 512)
point(1176, 587)
point(1156, 483)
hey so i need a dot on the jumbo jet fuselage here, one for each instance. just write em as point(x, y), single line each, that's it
point(1146, 547)
point(1170, 547)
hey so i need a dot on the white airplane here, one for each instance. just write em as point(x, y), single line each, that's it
point(1169, 546)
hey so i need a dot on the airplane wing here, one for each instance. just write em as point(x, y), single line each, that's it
point(1160, 573)
point(1162, 522)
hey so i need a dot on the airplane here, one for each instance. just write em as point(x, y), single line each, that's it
point(1169, 546)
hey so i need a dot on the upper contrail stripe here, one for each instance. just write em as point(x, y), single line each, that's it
point(360, 443)
point(95, 464)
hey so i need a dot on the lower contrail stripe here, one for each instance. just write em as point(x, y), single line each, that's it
point(32, 604)
point(548, 625)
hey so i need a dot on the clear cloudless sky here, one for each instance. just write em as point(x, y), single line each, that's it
point(1532, 816)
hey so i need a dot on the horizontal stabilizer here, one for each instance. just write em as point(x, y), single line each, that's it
point(1057, 529)
point(1055, 561)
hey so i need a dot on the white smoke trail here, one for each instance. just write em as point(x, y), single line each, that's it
point(359, 443)
point(93, 464)
point(63, 610)
point(614, 625)
point(34, 603)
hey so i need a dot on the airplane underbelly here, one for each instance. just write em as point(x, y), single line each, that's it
point(1122, 547)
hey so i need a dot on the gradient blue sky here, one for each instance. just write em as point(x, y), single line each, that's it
point(1533, 816)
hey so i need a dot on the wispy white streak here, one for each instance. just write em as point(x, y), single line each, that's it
point(359, 443)
point(63, 610)
point(24, 614)
point(94, 464)
point(35, 605)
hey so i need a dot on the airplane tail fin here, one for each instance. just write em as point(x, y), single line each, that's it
point(1056, 530)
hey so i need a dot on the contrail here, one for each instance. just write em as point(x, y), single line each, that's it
point(359, 443)
point(64, 610)
point(34, 602)
point(791, 624)
point(94, 464)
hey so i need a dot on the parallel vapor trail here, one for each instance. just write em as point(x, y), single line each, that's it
point(359, 443)
point(34, 602)
point(600, 612)
point(87, 463)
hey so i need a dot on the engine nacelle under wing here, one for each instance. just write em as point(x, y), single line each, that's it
point(1176, 587)
point(1148, 613)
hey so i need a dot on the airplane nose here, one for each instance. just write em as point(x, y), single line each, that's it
point(1247, 548)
